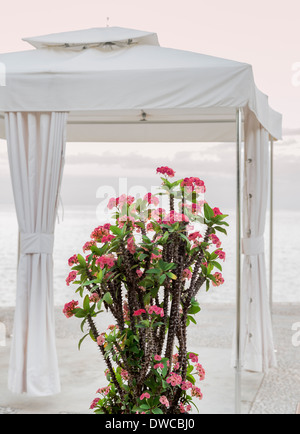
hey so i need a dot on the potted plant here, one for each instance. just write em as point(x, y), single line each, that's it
point(147, 269)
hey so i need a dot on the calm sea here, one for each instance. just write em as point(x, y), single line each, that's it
point(74, 230)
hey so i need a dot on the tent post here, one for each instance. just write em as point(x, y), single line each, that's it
point(271, 224)
point(238, 262)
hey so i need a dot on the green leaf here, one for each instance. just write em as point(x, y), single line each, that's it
point(80, 313)
point(153, 271)
point(172, 276)
point(157, 411)
point(218, 228)
point(191, 318)
point(81, 260)
point(208, 212)
point(81, 340)
point(107, 298)
point(116, 230)
point(162, 279)
point(86, 303)
point(207, 285)
point(217, 265)
point(194, 309)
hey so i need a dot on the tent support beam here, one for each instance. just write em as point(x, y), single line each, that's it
point(271, 223)
point(238, 261)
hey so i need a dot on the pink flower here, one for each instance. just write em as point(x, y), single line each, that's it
point(174, 379)
point(194, 236)
point(164, 401)
point(73, 260)
point(217, 211)
point(112, 203)
point(112, 327)
point(200, 371)
point(185, 385)
point(104, 260)
point(71, 277)
point(187, 274)
point(193, 358)
point(131, 246)
point(124, 374)
point(94, 298)
point(150, 198)
point(219, 279)
point(124, 199)
point(104, 390)
point(157, 310)
point(158, 365)
point(94, 403)
point(174, 217)
point(192, 184)
point(107, 238)
point(221, 254)
point(215, 240)
point(100, 340)
point(196, 392)
point(99, 232)
point(69, 308)
point(164, 170)
point(144, 395)
point(181, 408)
point(139, 312)
point(157, 357)
point(139, 273)
point(88, 245)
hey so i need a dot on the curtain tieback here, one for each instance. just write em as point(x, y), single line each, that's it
point(31, 243)
point(253, 246)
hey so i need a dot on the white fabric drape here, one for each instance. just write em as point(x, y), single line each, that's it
point(257, 348)
point(36, 146)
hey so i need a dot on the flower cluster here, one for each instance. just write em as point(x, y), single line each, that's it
point(157, 310)
point(71, 277)
point(105, 260)
point(219, 279)
point(68, 309)
point(193, 184)
point(174, 379)
point(164, 170)
point(73, 260)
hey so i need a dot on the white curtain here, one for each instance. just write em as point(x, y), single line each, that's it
point(257, 348)
point(36, 146)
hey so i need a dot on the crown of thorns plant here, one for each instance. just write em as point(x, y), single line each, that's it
point(146, 270)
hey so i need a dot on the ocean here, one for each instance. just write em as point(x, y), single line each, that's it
point(76, 224)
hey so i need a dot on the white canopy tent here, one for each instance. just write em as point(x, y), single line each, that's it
point(119, 85)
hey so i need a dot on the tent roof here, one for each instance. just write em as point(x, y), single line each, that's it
point(112, 75)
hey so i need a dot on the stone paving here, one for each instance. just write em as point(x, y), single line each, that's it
point(277, 392)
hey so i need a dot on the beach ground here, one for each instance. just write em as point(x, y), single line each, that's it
point(81, 372)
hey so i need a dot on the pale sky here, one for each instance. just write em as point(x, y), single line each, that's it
point(264, 33)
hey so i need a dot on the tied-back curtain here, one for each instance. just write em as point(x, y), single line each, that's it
point(257, 348)
point(36, 147)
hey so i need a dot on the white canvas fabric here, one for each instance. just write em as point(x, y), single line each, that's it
point(36, 146)
point(64, 74)
point(257, 346)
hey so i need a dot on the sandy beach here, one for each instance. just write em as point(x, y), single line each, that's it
point(81, 372)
